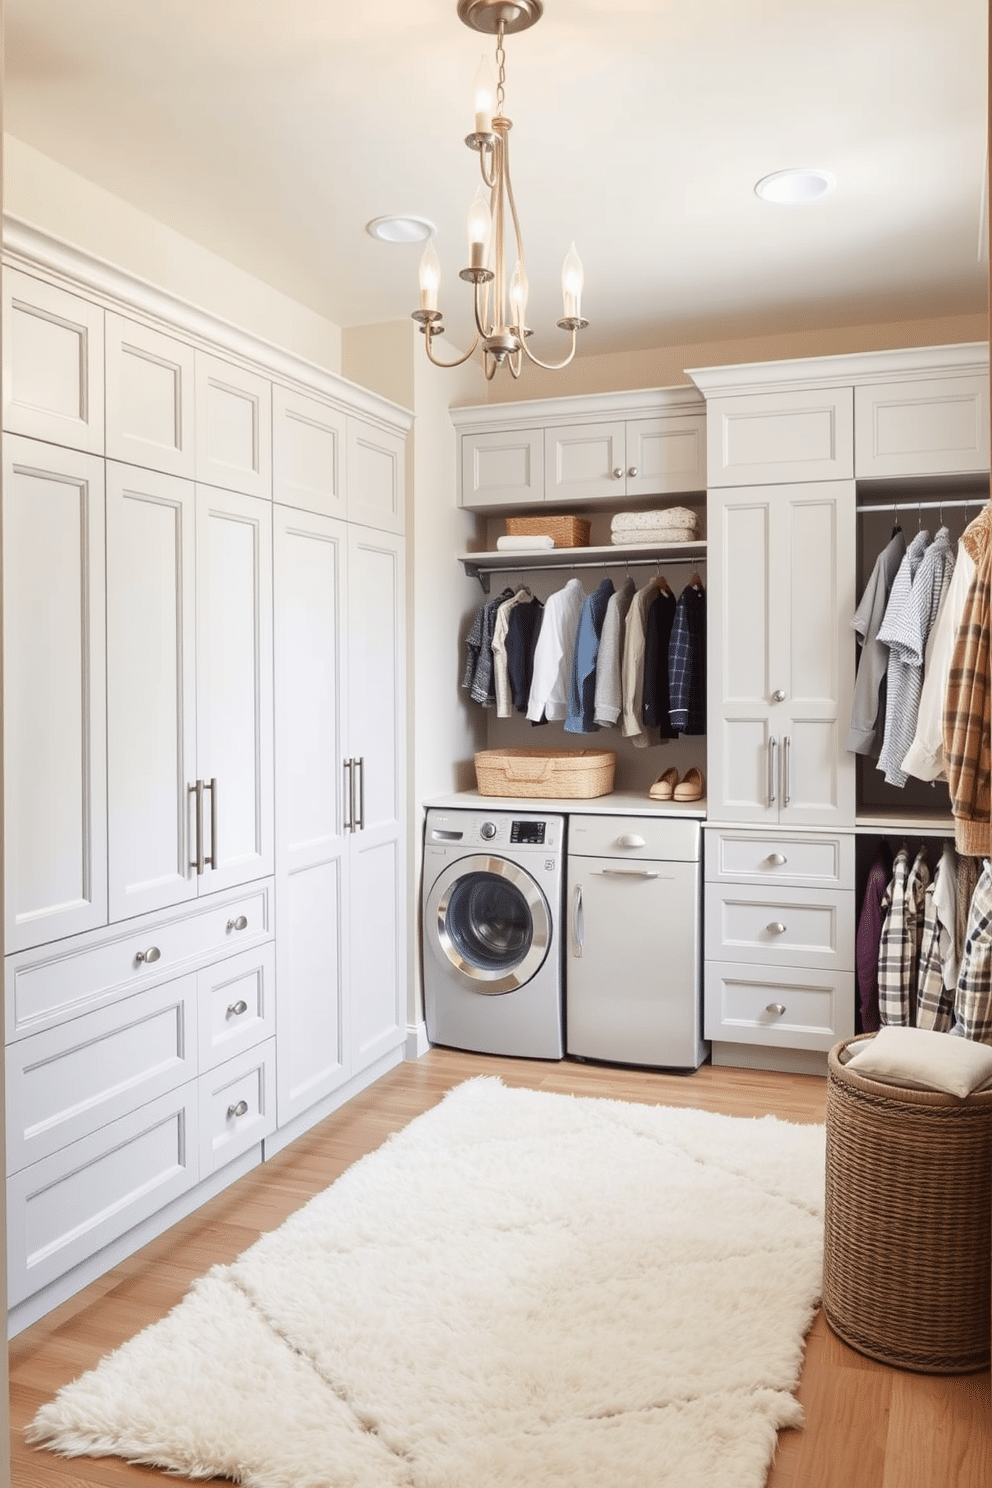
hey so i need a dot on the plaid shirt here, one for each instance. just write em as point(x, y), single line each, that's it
point(687, 663)
point(973, 996)
point(899, 950)
point(967, 715)
point(939, 968)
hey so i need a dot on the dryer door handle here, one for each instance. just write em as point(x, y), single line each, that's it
point(578, 923)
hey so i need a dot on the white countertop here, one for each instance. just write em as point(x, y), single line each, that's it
point(617, 803)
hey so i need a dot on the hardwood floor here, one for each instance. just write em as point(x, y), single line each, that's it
point(867, 1426)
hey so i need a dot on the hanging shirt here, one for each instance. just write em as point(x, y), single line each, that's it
point(924, 759)
point(501, 671)
point(608, 703)
point(868, 704)
point(634, 638)
point(581, 717)
point(896, 674)
point(478, 675)
point(967, 714)
point(687, 663)
point(553, 653)
point(869, 940)
point(899, 946)
point(939, 962)
point(973, 995)
point(907, 633)
point(657, 633)
point(522, 629)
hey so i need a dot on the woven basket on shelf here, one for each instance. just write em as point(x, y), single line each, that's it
point(908, 1204)
point(568, 532)
point(545, 773)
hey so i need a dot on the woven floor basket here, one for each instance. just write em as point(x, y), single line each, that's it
point(908, 1202)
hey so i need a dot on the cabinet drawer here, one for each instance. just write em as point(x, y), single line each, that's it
point(826, 861)
point(789, 927)
point(764, 438)
point(777, 1005)
point(935, 427)
point(71, 1080)
point(668, 838)
point(237, 1004)
point(67, 1207)
point(50, 984)
point(237, 1107)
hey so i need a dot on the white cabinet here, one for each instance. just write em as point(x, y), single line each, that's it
point(189, 689)
point(376, 476)
point(932, 426)
point(503, 467)
point(149, 397)
point(781, 663)
point(760, 438)
point(233, 426)
point(55, 751)
point(52, 363)
point(641, 457)
point(308, 453)
point(339, 762)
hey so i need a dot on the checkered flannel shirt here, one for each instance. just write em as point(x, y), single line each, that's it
point(973, 996)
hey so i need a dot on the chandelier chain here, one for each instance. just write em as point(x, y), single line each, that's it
point(501, 64)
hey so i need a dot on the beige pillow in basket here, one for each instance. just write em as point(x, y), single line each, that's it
point(923, 1060)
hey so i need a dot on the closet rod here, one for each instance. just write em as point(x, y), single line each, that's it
point(482, 572)
point(890, 506)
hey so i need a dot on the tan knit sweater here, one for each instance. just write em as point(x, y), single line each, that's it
point(967, 713)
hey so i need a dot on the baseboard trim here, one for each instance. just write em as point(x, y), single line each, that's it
point(417, 1042)
point(761, 1057)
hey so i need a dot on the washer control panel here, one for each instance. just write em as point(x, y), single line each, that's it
point(494, 829)
point(532, 832)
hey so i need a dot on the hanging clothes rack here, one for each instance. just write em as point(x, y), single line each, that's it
point(908, 505)
point(547, 560)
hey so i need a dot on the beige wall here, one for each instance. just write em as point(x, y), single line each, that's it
point(46, 195)
point(664, 366)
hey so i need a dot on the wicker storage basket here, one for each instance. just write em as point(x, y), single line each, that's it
point(568, 532)
point(545, 773)
point(908, 1204)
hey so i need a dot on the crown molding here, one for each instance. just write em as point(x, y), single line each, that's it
point(32, 249)
point(846, 370)
point(542, 413)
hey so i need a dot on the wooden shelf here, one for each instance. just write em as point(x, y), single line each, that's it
point(481, 565)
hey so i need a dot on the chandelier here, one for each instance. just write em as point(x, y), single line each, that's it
point(500, 303)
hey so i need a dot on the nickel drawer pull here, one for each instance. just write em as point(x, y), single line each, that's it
point(626, 872)
point(775, 928)
point(786, 770)
point(148, 957)
point(240, 1109)
point(198, 861)
point(778, 1008)
point(578, 923)
point(237, 1008)
point(360, 817)
point(772, 752)
point(348, 766)
point(776, 859)
point(241, 923)
point(213, 859)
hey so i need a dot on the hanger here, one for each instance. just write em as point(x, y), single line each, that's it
point(695, 582)
point(662, 584)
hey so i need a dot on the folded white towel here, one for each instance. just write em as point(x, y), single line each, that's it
point(531, 543)
point(645, 537)
point(671, 516)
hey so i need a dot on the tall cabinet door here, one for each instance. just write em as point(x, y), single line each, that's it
point(234, 685)
point(151, 697)
point(780, 658)
point(376, 743)
point(310, 556)
point(55, 761)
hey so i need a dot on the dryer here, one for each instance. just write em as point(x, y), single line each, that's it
point(492, 908)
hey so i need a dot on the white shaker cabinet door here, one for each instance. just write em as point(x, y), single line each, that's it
point(376, 476)
point(55, 759)
point(149, 397)
point(233, 687)
point(310, 559)
point(308, 453)
point(52, 363)
point(781, 663)
point(151, 696)
point(233, 426)
point(376, 706)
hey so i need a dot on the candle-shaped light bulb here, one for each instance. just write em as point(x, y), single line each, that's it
point(430, 276)
point(571, 284)
point(518, 296)
point(484, 92)
point(480, 222)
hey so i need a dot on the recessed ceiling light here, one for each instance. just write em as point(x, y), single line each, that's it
point(398, 228)
point(793, 187)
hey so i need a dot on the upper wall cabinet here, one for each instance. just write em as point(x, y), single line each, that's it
point(937, 426)
point(762, 439)
point(376, 485)
point(52, 364)
point(149, 393)
point(334, 464)
point(604, 448)
point(233, 427)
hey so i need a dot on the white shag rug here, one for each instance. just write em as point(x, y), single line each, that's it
point(518, 1290)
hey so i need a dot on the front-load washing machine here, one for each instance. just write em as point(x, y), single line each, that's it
point(492, 905)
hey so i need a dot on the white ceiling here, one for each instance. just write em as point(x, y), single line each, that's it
point(271, 133)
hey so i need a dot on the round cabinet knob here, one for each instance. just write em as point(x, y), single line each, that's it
point(487, 831)
point(777, 1008)
point(239, 1110)
point(776, 928)
point(241, 923)
point(148, 957)
point(237, 1008)
point(778, 696)
point(618, 473)
point(632, 471)
point(776, 859)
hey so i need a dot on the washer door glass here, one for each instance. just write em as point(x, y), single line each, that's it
point(491, 924)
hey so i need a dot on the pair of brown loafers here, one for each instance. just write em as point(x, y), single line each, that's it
point(668, 787)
